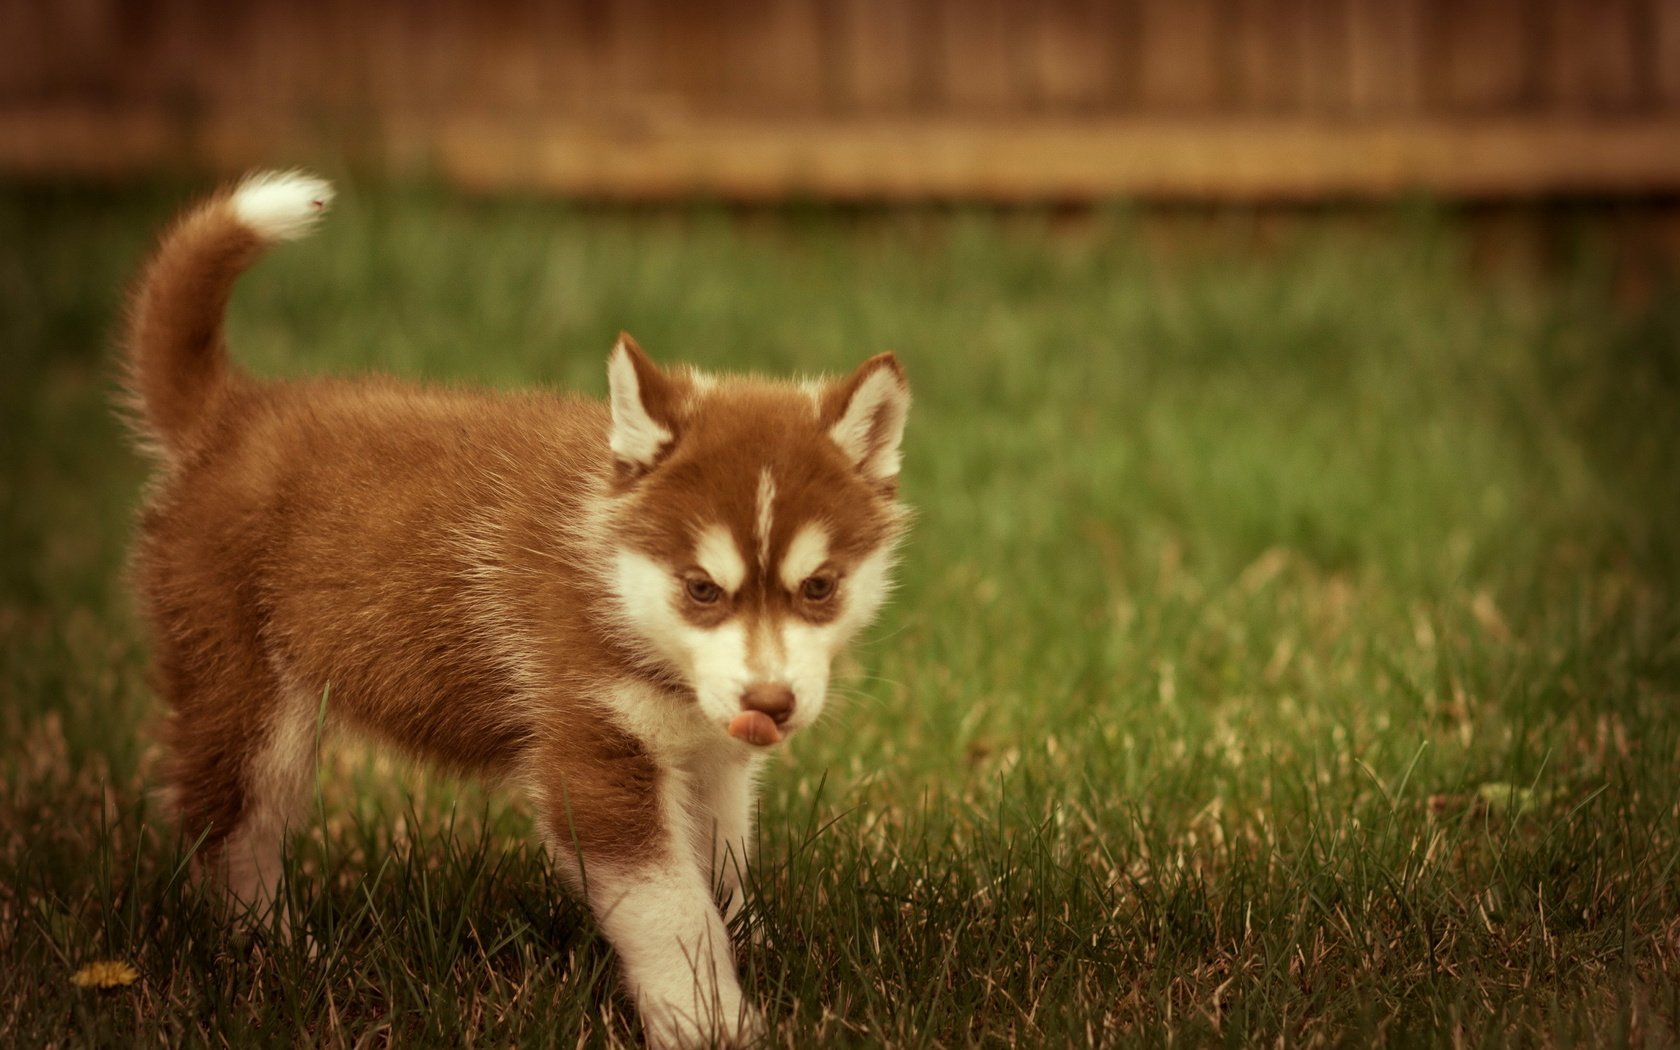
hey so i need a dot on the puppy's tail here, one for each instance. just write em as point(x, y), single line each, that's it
point(176, 359)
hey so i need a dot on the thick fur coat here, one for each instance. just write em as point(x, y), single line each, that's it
point(617, 607)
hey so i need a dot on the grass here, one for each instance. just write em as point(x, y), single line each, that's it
point(1288, 648)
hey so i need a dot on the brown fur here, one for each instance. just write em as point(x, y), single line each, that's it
point(346, 533)
point(428, 557)
point(177, 360)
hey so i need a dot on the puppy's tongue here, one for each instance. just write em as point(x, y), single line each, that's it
point(756, 728)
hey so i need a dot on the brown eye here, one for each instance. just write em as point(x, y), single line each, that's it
point(817, 588)
point(703, 592)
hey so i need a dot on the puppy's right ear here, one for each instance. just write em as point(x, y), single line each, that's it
point(644, 424)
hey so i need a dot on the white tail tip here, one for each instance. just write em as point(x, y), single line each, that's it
point(281, 205)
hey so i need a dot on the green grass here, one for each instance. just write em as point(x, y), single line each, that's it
point(1288, 648)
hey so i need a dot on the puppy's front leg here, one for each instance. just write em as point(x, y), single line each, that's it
point(620, 830)
point(675, 950)
point(723, 825)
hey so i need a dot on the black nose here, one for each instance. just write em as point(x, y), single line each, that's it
point(773, 698)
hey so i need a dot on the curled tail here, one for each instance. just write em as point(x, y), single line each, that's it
point(177, 361)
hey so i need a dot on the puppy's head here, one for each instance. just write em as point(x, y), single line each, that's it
point(755, 525)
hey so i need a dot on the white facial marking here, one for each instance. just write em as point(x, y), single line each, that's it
point(636, 436)
point(718, 656)
point(712, 659)
point(720, 662)
point(808, 652)
point(766, 501)
point(867, 586)
point(644, 589)
point(805, 555)
point(717, 554)
point(873, 425)
point(809, 649)
point(765, 652)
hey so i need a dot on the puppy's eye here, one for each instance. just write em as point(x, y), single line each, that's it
point(817, 588)
point(703, 591)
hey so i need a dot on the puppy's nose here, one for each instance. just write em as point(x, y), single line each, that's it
point(773, 698)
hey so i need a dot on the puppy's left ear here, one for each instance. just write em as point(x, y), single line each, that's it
point(644, 421)
point(865, 416)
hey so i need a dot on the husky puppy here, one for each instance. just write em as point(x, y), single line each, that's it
point(618, 607)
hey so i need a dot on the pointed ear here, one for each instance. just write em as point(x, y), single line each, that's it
point(865, 416)
point(643, 425)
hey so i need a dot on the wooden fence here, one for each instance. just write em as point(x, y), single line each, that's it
point(754, 99)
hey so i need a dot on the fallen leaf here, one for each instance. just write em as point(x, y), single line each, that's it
point(107, 973)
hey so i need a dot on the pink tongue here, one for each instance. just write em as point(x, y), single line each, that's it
point(755, 727)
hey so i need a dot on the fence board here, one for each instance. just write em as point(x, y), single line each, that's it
point(1179, 43)
point(977, 57)
point(1597, 55)
point(1326, 72)
point(1385, 57)
point(1665, 58)
point(1487, 50)
point(779, 52)
point(877, 68)
point(1068, 63)
point(1269, 40)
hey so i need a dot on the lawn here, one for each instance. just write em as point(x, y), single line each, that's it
point(1287, 652)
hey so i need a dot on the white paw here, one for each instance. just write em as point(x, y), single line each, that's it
point(672, 1029)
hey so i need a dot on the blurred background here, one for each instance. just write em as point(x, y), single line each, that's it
point(863, 99)
point(1287, 649)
